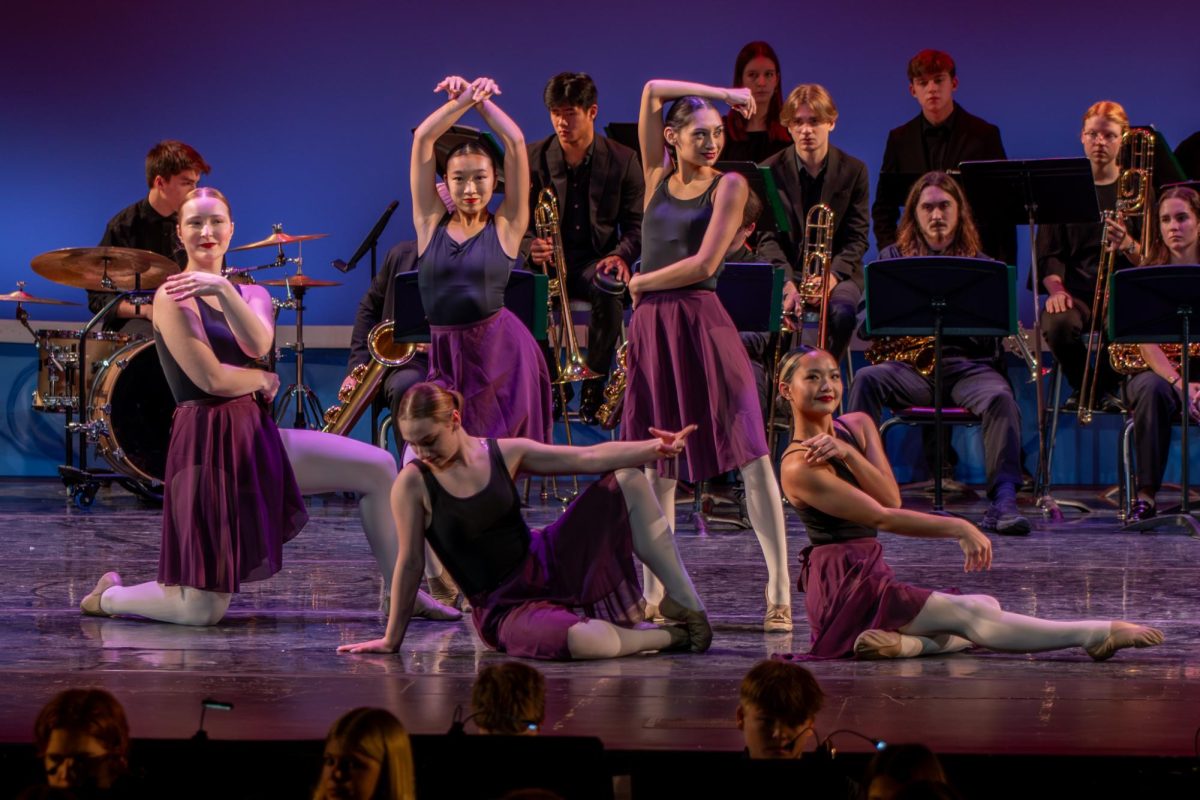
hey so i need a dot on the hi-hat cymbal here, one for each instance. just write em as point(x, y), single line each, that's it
point(22, 296)
point(104, 268)
point(300, 281)
point(279, 237)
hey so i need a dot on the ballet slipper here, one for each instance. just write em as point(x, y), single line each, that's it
point(699, 630)
point(427, 607)
point(90, 604)
point(681, 639)
point(445, 591)
point(874, 645)
point(1122, 635)
point(778, 618)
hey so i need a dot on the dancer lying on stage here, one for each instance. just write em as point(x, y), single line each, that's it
point(686, 363)
point(233, 486)
point(568, 591)
point(837, 476)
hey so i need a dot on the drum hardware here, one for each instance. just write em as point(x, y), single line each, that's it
point(105, 269)
point(278, 239)
point(305, 399)
point(20, 297)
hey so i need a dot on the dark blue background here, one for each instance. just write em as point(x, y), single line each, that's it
point(304, 108)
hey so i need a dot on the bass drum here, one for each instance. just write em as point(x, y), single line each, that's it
point(132, 404)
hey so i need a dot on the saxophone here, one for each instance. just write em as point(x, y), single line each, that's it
point(385, 353)
point(609, 413)
point(1127, 358)
point(916, 351)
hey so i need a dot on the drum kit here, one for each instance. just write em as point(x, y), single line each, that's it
point(110, 386)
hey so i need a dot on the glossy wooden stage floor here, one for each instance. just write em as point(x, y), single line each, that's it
point(273, 656)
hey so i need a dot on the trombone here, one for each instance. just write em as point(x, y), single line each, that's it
point(1133, 202)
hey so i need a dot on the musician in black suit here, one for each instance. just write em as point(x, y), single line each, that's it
point(814, 171)
point(600, 192)
point(941, 137)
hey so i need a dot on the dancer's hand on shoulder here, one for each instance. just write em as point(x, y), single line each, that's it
point(823, 447)
point(373, 646)
point(183, 285)
point(668, 444)
point(976, 547)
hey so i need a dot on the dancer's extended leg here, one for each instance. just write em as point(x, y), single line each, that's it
point(664, 491)
point(596, 638)
point(181, 605)
point(653, 540)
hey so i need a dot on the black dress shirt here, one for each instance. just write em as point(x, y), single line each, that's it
point(578, 246)
point(141, 227)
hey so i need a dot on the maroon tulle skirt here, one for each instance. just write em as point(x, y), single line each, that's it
point(500, 371)
point(849, 589)
point(230, 498)
point(686, 364)
point(579, 567)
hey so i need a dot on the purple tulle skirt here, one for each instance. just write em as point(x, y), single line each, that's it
point(500, 371)
point(686, 364)
point(230, 498)
point(579, 567)
point(849, 589)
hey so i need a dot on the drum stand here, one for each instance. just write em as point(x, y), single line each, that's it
point(82, 483)
point(304, 398)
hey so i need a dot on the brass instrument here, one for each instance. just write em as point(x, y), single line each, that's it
point(385, 353)
point(815, 264)
point(609, 413)
point(570, 366)
point(1126, 359)
point(916, 351)
point(1133, 202)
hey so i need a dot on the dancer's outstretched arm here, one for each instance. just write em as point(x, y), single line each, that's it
point(528, 456)
point(817, 485)
point(512, 215)
point(652, 140)
point(410, 508)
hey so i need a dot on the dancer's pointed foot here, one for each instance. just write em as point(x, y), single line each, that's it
point(90, 605)
point(699, 630)
point(1122, 635)
point(428, 608)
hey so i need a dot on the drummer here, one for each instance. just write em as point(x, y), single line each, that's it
point(172, 170)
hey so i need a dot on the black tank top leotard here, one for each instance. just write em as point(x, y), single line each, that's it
point(482, 539)
point(224, 346)
point(673, 229)
point(825, 528)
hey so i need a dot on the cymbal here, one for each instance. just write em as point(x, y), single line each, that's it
point(87, 267)
point(300, 281)
point(279, 237)
point(21, 296)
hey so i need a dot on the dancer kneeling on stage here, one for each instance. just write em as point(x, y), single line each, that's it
point(1155, 397)
point(234, 482)
point(836, 475)
point(568, 591)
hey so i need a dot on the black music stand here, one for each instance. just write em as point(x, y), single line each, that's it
point(1035, 192)
point(741, 288)
point(1159, 305)
point(940, 295)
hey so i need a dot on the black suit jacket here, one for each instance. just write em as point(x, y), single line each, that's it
point(616, 194)
point(378, 303)
point(971, 139)
point(845, 189)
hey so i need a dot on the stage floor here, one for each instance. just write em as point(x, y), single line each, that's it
point(274, 655)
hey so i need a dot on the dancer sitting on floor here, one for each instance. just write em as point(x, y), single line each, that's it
point(233, 486)
point(836, 475)
point(568, 591)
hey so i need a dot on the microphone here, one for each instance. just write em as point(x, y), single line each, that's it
point(369, 242)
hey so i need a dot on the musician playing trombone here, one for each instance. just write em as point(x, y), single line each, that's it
point(600, 192)
point(937, 221)
point(1068, 256)
point(1156, 396)
point(814, 171)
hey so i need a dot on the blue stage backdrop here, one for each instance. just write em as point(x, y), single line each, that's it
point(305, 108)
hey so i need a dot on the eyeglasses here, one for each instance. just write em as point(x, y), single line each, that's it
point(1104, 136)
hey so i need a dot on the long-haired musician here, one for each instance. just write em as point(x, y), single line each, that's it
point(937, 221)
point(1156, 396)
point(686, 363)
